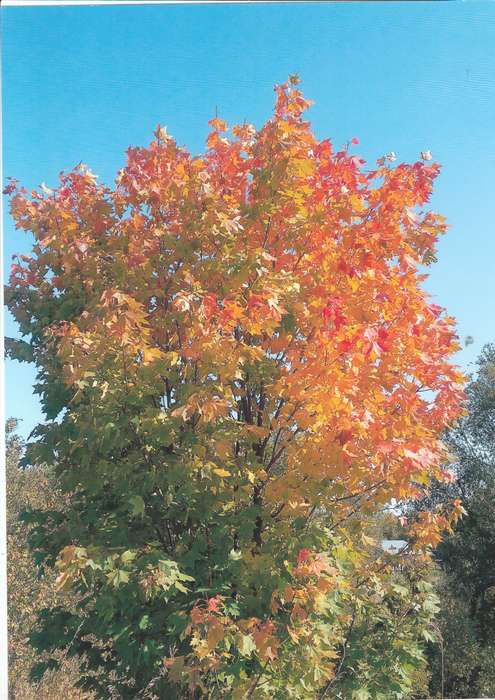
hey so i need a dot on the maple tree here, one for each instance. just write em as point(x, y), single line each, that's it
point(239, 366)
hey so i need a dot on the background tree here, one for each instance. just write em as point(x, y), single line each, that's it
point(237, 356)
point(467, 556)
point(27, 594)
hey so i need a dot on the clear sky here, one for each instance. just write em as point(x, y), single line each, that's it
point(84, 83)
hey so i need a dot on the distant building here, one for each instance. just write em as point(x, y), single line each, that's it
point(393, 546)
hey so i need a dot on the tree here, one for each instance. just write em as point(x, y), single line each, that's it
point(467, 555)
point(237, 360)
point(27, 594)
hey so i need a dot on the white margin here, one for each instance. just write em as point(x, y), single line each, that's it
point(111, 3)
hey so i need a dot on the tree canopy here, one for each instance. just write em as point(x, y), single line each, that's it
point(239, 366)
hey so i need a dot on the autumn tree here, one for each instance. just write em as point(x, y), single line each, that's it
point(236, 359)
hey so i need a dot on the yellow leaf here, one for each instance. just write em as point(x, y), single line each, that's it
point(150, 354)
point(303, 166)
point(221, 472)
point(292, 634)
point(368, 540)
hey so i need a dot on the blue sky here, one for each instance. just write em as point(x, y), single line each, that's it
point(84, 83)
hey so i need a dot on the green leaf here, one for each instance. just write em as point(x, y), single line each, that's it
point(137, 505)
point(128, 556)
point(39, 669)
point(144, 622)
point(245, 644)
point(401, 590)
point(428, 636)
point(117, 577)
point(180, 587)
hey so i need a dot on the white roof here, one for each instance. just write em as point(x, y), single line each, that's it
point(393, 546)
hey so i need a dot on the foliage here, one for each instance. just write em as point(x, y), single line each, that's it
point(27, 594)
point(461, 665)
point(467, 555)
point(237, 357)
